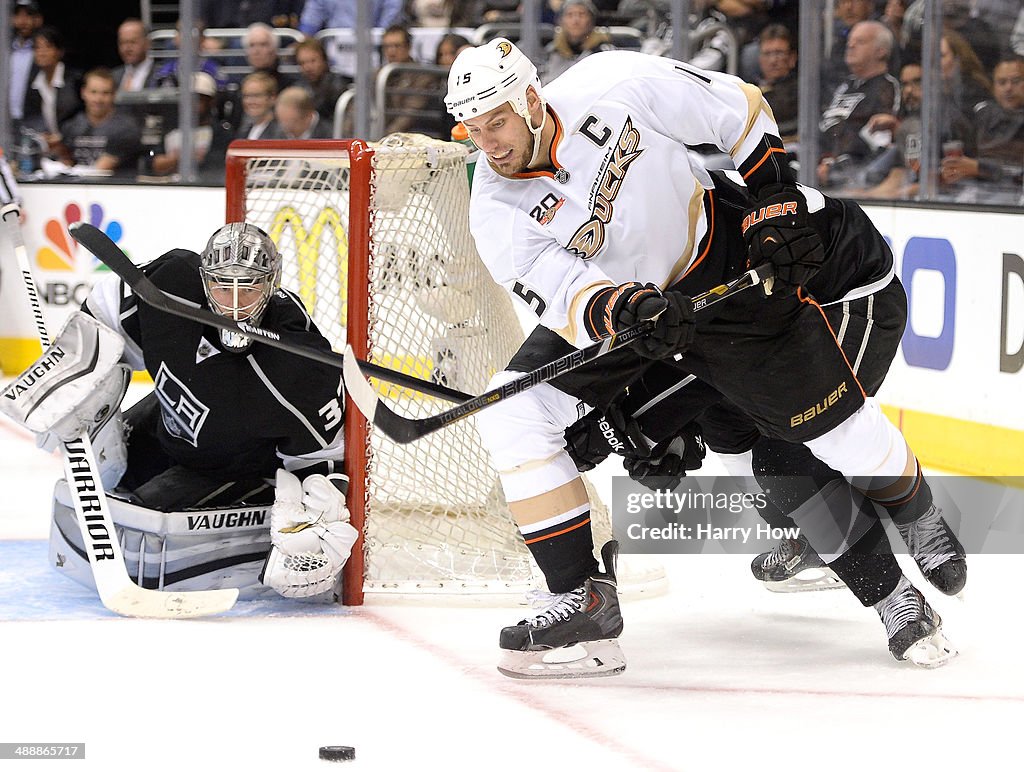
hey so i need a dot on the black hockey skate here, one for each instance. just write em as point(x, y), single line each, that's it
point(914, 629)
point(793, 566)
point(937, 551)
point(574, 635)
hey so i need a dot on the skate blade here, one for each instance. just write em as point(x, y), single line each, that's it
point(808, 580)
point(931, 652)
point(590, 660)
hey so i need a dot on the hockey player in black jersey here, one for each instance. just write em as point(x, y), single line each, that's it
point(865, 302)
point(231, 433)
point(591, 211)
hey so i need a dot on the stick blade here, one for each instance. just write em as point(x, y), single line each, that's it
point(138, 602)
point(395, 427)
point(359, 388)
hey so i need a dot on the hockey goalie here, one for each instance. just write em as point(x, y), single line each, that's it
point(229, 473)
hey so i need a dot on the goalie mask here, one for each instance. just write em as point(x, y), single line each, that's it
point(486, 77)
point(240, 268)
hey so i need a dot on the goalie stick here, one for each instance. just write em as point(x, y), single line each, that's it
point(403, 430)
point(97, 242)
point(116, 589)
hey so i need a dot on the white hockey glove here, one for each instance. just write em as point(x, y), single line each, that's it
point(76, 386)
point(311, 536)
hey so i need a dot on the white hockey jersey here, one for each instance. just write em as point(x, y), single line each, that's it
point(624, 201)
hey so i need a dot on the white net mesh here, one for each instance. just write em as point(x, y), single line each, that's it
point(436, 521)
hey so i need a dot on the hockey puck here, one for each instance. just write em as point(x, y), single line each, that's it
point(337, 753)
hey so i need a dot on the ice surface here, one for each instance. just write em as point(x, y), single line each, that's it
point(722, 675)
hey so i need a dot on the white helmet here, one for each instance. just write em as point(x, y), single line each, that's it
point(240, 256)
point(486, 77)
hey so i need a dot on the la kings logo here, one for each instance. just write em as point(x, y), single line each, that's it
point(183, 415)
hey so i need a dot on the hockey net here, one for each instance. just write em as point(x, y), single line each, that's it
point(376, 242)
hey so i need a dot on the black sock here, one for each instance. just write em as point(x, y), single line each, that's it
point(869, 568)
point(564, 553)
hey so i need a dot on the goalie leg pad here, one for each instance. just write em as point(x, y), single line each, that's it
point(75, 386)
point(200, 549)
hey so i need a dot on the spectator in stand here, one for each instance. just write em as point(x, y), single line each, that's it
point(53, 94)
point(576, 38)
point(1017, 36)
point(137, 69)
point(259, 93)
point(317, 78)
point(242, 13)
point(893, 18)
point(444, 13)
point(958, 15)
point(964, 82)
point(777, 58)
point(100, 137)
point(261, 53)
point(26, 18)
point(209, 140)
point(846, 15)
point(846, 142)
point(448, 47)
point(167, 75)
point(996, 173)
point(297, 118)
point(330, 14)
point(895, 173)
point(413, 101)
point(746, 19)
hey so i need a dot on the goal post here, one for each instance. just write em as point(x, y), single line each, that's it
point(375, 240)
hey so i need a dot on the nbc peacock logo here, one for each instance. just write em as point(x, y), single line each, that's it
point(62, 252)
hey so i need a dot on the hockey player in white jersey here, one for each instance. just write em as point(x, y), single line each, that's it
point(591, 211)
point(229, 474)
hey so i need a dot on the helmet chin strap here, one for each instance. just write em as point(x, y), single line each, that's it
point(535, 132)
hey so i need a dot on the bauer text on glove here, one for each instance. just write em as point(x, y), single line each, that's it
point(776, 230)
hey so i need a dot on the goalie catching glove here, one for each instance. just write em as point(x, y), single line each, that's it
point(311, 536)
point(777, 231)
point(75, 387)
point(614, 309)
point(594, 437)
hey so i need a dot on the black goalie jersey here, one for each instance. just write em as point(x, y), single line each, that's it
point(228, 414)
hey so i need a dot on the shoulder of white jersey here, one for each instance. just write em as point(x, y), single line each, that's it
point(600, 70)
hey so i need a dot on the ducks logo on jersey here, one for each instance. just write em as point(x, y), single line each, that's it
point(588, 240)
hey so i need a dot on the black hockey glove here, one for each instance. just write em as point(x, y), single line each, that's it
point(777, 231)
point(669, 460)
point(617, 308)
point(594, 437)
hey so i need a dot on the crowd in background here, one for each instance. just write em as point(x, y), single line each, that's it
point(289, 86)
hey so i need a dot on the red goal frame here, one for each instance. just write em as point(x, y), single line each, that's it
point(357, 449)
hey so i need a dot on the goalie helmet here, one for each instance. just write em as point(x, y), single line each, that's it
point(240, 268)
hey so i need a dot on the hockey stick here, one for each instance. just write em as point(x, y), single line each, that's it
point(403, 430)
point(97, 242)
point(116, 589)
